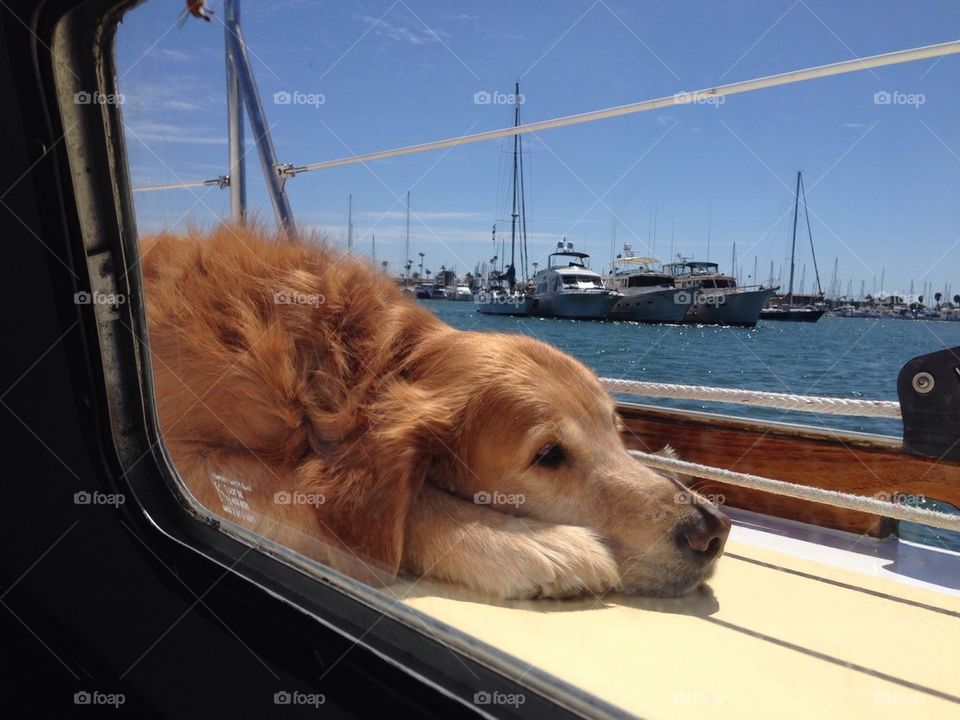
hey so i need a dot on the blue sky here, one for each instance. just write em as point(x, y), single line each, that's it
point(882, 180)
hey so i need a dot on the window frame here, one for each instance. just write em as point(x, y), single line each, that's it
point(95, 180)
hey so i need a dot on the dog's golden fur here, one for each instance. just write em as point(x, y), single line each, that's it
point(488, 460)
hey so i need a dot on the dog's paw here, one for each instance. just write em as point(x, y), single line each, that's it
point(557, 561)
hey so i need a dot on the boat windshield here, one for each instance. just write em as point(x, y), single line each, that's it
point(647, 280)
point(578, 282)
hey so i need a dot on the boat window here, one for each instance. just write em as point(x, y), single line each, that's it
point(648, 280)
point(581, 281)
point(413, 217)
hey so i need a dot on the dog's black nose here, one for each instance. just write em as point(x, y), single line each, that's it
point(705, 533)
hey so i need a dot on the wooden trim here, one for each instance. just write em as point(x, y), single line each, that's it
point(850, 462)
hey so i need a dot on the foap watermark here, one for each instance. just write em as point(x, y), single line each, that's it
point(298, 498)
point(488, 298)
point(689, 497)
point(895, 97)
point(498, 498)
point(684, 297)
point(699, 98)
point(97, 98)
point(294, 297)
point(484, 697)
point(485, 97)
point(98, 498)
point(899, 498)
point(98, 298)
point(285, 697)
point(95, 697)
point(295, 97)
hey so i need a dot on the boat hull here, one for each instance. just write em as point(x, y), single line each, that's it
point(792, 314)
point(739, 308)
point(658, 306)
point(579, 306)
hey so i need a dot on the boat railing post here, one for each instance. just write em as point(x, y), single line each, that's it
point(237, 168)
point(274, 172)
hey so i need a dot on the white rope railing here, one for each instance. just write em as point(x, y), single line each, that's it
point(847, 501)
point(782, 401)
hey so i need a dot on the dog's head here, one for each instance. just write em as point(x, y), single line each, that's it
point(530, 431)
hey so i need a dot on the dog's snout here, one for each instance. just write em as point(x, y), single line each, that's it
point(705, 533)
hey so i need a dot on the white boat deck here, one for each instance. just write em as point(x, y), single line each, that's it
point(798, 622)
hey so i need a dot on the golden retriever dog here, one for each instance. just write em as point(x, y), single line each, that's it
point(302, 395)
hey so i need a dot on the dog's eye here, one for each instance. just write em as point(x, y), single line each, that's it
point(550, 455)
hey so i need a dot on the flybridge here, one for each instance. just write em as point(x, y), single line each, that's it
point(242, 92)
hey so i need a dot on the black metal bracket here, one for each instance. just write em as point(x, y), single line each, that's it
point(929, 391)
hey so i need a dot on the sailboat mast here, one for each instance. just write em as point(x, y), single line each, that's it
point(793, 244)
point(350, 221)
point(516, 186)
point(406, 245)
point(524, 253)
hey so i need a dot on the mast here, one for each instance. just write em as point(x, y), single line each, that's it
point(350, 221)
point(793, 245)
point(516, 188)
point(406, 244)
point(523, 199)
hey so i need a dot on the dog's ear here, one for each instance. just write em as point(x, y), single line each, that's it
point(369, 490)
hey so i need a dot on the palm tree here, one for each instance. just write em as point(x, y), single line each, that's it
point(956, 300)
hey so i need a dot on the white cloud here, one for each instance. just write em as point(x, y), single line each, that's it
point(409, 33)
point(150, 132)
point(175, 55)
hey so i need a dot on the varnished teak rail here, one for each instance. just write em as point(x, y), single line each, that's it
point(849, 462)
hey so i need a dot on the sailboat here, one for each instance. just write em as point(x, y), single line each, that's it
point(786, 309)
point(503, 294)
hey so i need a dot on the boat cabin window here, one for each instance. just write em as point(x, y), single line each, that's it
point(579, 282)
point(647, 281)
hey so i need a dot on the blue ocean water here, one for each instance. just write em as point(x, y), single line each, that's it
point(839, 357)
